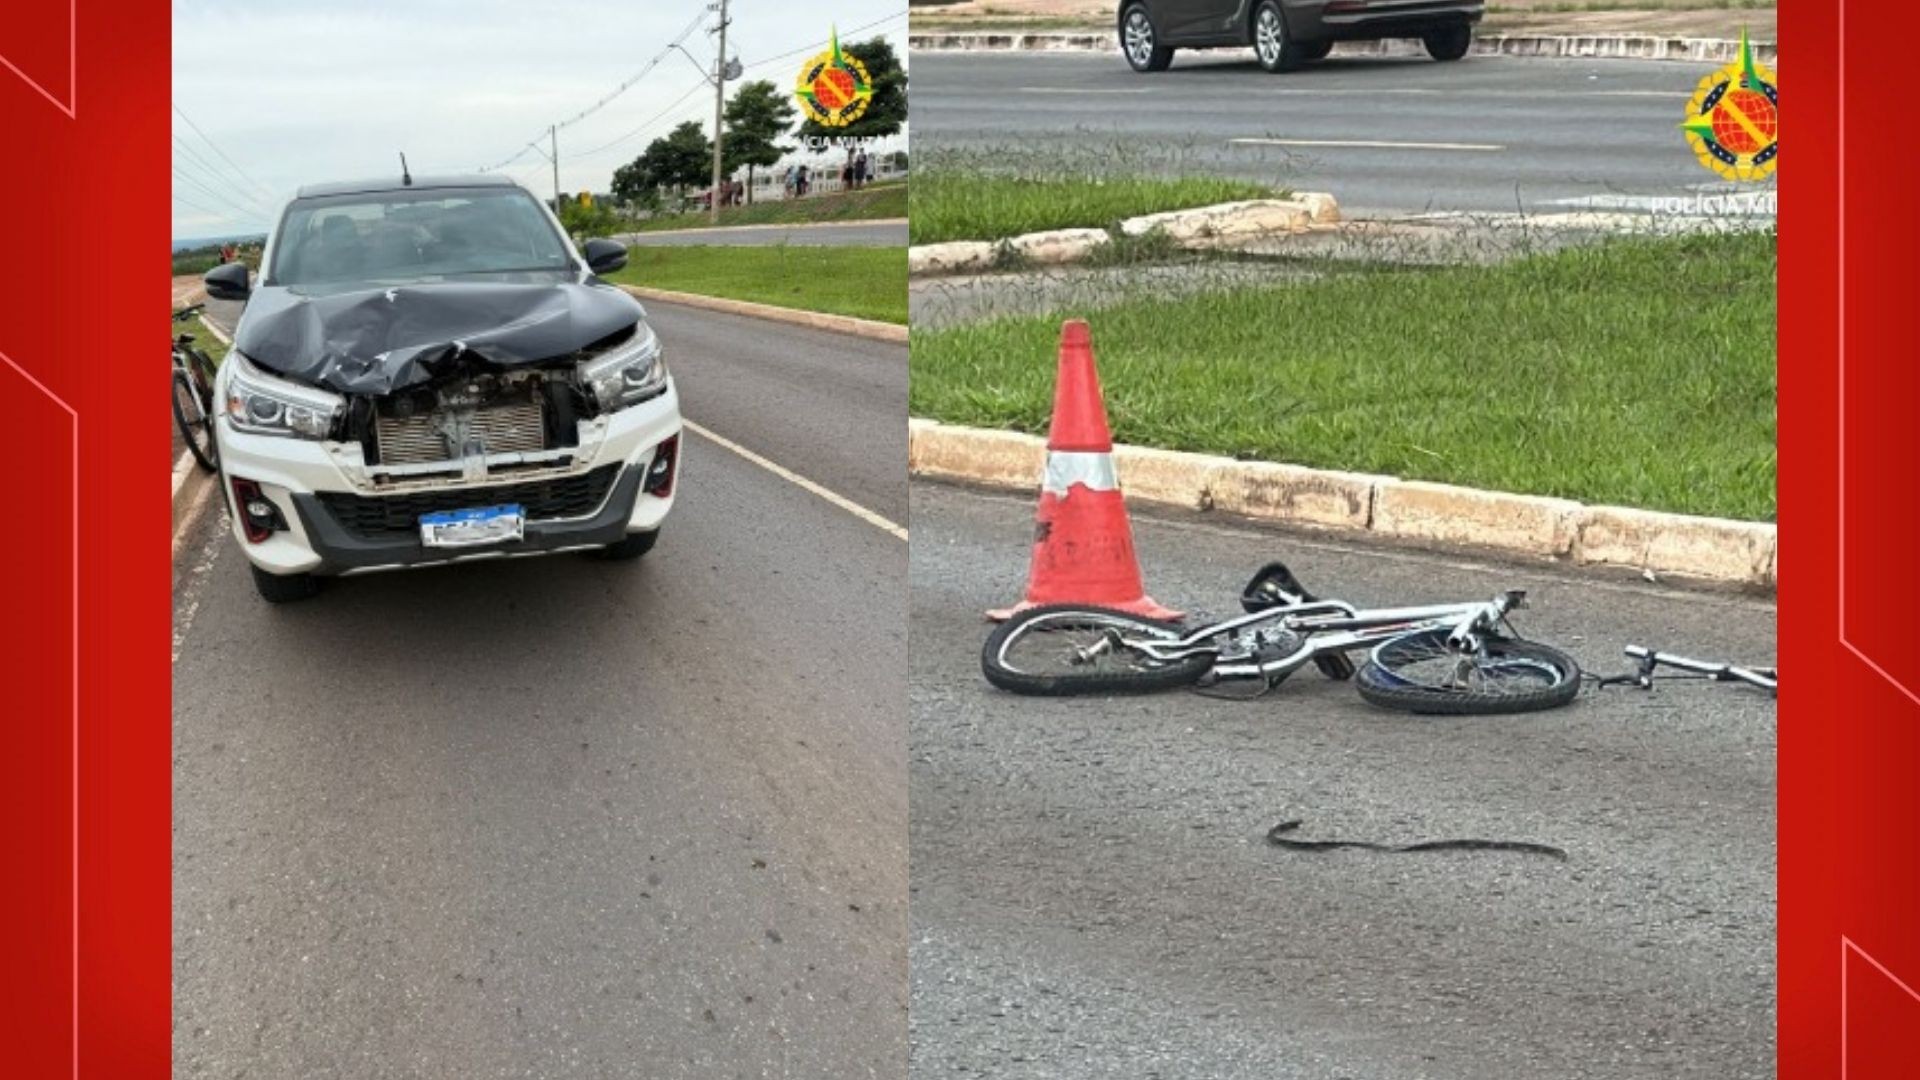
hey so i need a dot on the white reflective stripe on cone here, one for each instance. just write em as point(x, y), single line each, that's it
point(1066, 468)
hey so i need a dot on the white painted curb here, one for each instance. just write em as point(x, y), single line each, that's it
point(1413, 511)
point(1197, 227)
point(839, 324)
point(1551, 46)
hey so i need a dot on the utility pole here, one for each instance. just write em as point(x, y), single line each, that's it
point(553, 133)
point(719, 104)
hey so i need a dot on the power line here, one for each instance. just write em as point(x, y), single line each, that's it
point(694, 89)
point(214, 189)
point(258, 186)
point(218, 215)
point(606, 99)
point(212, 194)
point(210, 177)
point(818, 44)
point(649, 122)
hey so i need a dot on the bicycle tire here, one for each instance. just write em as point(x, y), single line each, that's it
point(193, 432)
point(1388, 681)
point(1148, 676)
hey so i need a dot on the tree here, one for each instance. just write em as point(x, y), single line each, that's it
point(757, 116)
point(632, 182)
point(682, 157)
point(888, 108)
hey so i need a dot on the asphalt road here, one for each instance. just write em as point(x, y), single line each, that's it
point(557, 817)
point(837, 234)
point(1487, 134)
point(1092, 894)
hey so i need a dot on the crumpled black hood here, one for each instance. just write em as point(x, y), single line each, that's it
point(374, 341)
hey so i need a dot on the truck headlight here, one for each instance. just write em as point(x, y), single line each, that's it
point(628, 373)
point(260, 404)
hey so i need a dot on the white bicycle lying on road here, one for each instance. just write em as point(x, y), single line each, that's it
point(1459, 659)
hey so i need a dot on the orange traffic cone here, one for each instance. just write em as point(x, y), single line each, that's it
point(1083, 546)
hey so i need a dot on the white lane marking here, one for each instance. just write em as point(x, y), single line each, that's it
point(215, 330)
point(1368, 144)
point(1081, 90)
point(794, 478)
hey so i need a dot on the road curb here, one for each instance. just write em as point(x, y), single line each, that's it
point(818, 320)
point(1198, 227)
point(1418, 512)
point(1550, 46)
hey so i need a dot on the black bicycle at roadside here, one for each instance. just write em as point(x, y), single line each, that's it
point(193, 373)
point(1458, 659)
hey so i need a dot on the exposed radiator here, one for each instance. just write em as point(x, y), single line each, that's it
point(428, 437)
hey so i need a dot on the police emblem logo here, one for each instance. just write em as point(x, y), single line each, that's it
point(1733, 119)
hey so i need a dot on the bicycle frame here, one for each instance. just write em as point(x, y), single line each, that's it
point(1330, 626)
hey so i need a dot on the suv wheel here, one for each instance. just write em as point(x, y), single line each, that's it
point(1141, 42)
point(283, 588)
point(1271, 44)
point(632, 547)
point(1449, 44)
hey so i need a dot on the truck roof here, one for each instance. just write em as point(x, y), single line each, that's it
point(393, 183)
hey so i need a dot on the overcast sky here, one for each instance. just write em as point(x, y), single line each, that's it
point(296, 93)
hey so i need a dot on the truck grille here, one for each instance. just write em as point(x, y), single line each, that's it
point(519, 427)
point(387, 517)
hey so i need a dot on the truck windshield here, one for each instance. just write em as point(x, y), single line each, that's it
point(389, 236)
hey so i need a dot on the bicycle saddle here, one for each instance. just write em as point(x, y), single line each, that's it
point(1275, 586)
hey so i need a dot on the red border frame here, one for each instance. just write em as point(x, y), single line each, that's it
point(95, 160)
point(1849, 729)
point(85, 779)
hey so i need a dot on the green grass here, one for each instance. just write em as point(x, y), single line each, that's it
point(203, 338)
point(1637, 372)
point(865, 282)
point(973, 204)
point(881, 200)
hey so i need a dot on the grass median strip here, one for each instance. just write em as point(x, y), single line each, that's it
point(203, 338)
point(880, 201)
point(864, 282)
point(1636, 372)
point(973, 204)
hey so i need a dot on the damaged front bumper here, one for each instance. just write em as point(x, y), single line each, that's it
point(343, 516)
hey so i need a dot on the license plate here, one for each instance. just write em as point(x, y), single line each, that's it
point(469, 528)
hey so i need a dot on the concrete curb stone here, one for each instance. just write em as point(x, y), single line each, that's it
point(1279, 492)
point(1058, 246)
point(1415, 511)
point(1194, 227)
point(1242, 218)
point(1443, 513)
point(954, 257)
point(1650, 540)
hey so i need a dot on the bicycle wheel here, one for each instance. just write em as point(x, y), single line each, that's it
point(1418, 673)
point(196, 426)
point(1063, 650)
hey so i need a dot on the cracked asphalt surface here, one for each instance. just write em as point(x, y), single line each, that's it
point(1092, 894)
point(556, 817)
